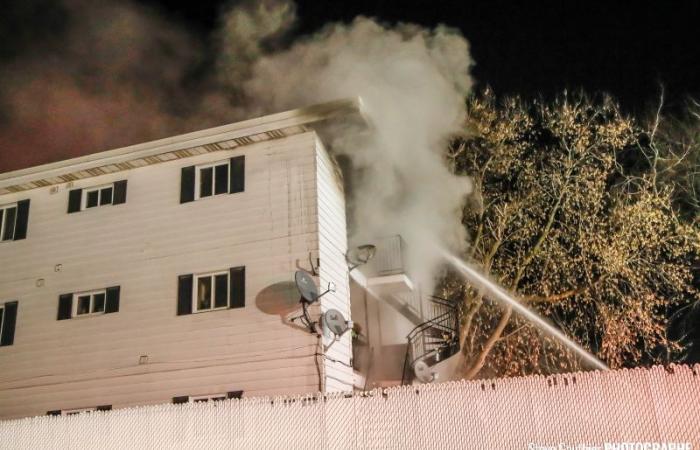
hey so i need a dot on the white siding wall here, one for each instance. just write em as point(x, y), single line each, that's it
point(333, 246)
point(143, 245)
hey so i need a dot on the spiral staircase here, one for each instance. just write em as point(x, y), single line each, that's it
point(432, 341)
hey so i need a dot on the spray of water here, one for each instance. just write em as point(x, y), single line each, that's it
point(498, 293)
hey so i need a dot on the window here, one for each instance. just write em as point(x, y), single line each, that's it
point(92, 197)
point(8, 219)
point(76, 411)
point(86, 303)
point(210, 291)
point(212, 179)
point(98, 196)
point(208, 180)
point(8, 319)
point(207, 398)
point(13, 221)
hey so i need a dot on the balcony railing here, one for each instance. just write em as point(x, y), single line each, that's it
point(434, 340)
point(388, 258)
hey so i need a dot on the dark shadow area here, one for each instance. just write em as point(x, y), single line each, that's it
point(279, 299)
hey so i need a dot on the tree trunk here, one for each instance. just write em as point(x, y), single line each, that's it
point(481, 359)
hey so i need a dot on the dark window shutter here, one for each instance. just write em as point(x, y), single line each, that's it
point(237, 174)
point(56, 412)
point(112, 303)
point(119, 192)
point(8, 324)
point(237, 287)
point(187, 184)
point(74, 199)
point(178, 400)
point(65, 306)
point(184, 294)
point(22, 219)
point(234, 394)
point(104, 408)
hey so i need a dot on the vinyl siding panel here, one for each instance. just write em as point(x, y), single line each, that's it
point(332, 235)
point(142, 246)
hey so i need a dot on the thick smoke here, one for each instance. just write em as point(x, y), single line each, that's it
point(413, 82)
point(112, 74)
point(122, 74)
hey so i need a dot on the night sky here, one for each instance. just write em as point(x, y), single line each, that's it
point(48, 87)
point(627, 49)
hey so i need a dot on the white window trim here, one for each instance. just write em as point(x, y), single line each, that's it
point(70, 412)
point(195, 284)
point(84, 194)
point(208, 398)
point(92, 301)
point(2, 223)
point(213, 180)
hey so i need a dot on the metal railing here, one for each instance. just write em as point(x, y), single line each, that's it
point(435, 339)
point(413, 301)
point(388, 259)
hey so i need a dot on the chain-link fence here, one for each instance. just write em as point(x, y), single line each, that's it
point(640, 405)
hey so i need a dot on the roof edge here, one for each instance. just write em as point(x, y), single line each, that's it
point(292, 118)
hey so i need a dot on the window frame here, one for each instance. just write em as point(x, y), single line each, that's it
point(207, 398)
point(87, 190)
point(92, 293)
point(213, 166)
point(212, 276)
point(76, 411)
point(2, 316)
point(3, 221)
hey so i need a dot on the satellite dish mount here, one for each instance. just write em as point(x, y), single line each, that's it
point(359, 256)
point(309, 294)
point(314, 268)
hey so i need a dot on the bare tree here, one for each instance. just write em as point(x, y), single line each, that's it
point(672, 153)
point(673, 157)
point(559, 219)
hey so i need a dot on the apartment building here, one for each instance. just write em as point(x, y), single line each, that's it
point(131, 276)
point(164, 272)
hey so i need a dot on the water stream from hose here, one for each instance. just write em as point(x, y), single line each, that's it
point(481, 281)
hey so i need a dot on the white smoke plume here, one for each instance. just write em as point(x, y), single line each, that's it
point(122, 73)
point(413, 82)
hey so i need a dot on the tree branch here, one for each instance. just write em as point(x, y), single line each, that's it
point(554, 298)
point(488, 346)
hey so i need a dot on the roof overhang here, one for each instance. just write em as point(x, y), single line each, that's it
point(226, 137)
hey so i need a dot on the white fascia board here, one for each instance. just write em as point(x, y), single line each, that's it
point(297, 117)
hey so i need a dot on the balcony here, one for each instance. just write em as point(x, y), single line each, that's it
point(385, 273)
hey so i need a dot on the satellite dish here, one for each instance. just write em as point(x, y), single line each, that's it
point(423, 372)
point(306, 286)
point(334, 323)
point(309, 294)
point(360, 255)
